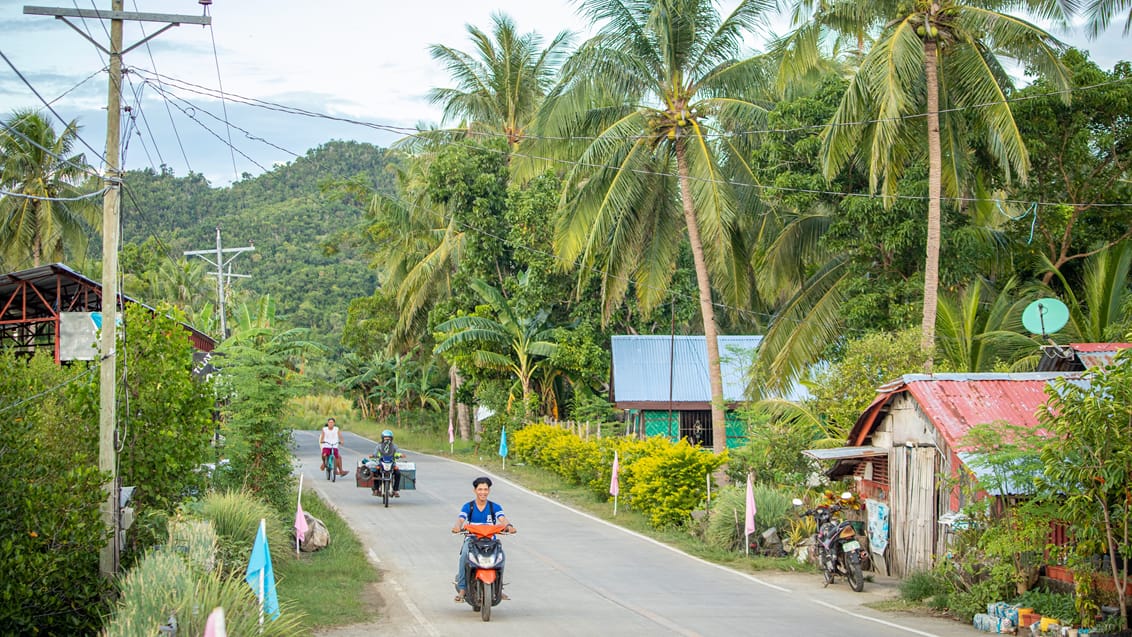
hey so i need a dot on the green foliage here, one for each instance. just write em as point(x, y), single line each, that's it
point(234, 517)
point(843, 390)
point(167, 427)
point(922, 585)
point(669, 485)
point(773, 453)
point(306, 244)
point(51, 491)
point(1049, 604)
point(1087, 471)
point(258, 382)
point(179, 583)
point(727, 516)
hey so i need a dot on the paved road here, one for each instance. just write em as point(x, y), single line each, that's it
point(571, 574)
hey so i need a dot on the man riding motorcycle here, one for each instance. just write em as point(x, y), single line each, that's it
point(389, 452)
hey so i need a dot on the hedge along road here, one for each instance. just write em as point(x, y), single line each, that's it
point(569, 573)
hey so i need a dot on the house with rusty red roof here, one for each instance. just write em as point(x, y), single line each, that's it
point(907, 453)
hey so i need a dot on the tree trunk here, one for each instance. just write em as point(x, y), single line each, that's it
point(457, 412)
point(935, 171)
point(707, 310)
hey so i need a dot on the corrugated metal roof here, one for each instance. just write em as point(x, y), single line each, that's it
point(641, 367)
point(1079, 356)
point(1097, 354)
point(842, 453)
point(957, 402)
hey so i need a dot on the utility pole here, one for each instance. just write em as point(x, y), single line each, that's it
point(221, 276)
point(107, 452)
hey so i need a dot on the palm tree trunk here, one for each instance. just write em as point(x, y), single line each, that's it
point(456, 411)
point(707, 310)
point(935, 170)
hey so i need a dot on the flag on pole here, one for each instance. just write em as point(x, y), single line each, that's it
point(614, 483)
point(503, 442)
point(300, 518)
point(260, 575)
point(214, 625)
point(451, 433)
point(751, 509)
point(301, 527)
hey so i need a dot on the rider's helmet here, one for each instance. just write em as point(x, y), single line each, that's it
point(387, 434)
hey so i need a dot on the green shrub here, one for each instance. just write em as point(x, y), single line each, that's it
point(922, 585)
point(668, 486)
point(1049, 604)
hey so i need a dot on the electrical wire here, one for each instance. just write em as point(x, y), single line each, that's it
point(82, 168)
point(45, 392)
point(48, 105)
point(168, 111)
point(21, 195)
point(223, 102)
point(763, 187)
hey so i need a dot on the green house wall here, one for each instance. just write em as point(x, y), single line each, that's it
point(658, 423)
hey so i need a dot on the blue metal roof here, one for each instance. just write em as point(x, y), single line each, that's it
point(641, 367)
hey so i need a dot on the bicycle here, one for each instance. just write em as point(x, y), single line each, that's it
point(331, 469)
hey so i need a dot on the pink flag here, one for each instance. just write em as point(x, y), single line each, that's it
point(451, 433)
point(214, 625)
point(751, 509)
point(300, 524)
point(614, 485)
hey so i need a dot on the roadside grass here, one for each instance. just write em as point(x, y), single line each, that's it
point(329, 586)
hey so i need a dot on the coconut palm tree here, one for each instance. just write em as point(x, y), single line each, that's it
point(649, 110)
point(501, 85)
point(980, 328)
point(38, 172)
point(933, 81)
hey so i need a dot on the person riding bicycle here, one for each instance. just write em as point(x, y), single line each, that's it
point(329, 440)
point(478, 511)
point(388, 451)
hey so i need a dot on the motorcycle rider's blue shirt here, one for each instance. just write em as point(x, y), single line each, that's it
point(488, 515)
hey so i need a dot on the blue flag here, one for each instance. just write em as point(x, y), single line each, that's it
point(503, 442)
point(259, 570)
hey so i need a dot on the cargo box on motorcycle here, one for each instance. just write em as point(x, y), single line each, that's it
point(363, 477)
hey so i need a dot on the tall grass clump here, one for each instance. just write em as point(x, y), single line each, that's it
point(727, 519)
point(177, 587)
point(235, 517)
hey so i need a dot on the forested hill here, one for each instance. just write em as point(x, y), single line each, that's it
point(308, 255)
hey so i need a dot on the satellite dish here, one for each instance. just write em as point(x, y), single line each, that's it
point(1045, 316)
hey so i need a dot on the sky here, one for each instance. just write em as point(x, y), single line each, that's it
point(361, 60)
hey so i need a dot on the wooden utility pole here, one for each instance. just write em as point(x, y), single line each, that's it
point(107, 453)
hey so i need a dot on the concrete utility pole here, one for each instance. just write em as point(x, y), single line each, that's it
point(107, 453)
point(221, 276)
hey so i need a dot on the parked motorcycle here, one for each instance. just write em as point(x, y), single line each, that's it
point(839, 550)
point(484, 568)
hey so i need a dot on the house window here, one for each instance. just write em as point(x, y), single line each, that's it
point(696, 427)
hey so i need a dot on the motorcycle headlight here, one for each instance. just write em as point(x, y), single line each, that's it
point(486, 560)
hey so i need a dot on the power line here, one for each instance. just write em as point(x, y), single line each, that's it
point(21, 195)
point(223, 102)
point(13, 131)
point(168, 111)
point(45, 392)
point(48, 105)
point(425, 134)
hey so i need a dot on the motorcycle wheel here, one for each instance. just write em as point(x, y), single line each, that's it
point(485, 600)
point(855, 576)
point(385, 494)
point(828, 574)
